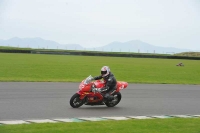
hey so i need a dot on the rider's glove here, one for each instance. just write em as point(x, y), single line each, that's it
point(93, 78)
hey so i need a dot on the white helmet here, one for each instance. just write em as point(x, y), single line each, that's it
point(105, 71)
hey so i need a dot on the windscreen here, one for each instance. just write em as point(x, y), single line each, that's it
point(88, 79)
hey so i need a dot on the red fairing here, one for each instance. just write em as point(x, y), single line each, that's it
point(121, 85)
point(85, 90)
point(85, 87)
point(99, 84)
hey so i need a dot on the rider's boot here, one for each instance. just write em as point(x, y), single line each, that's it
point(109, 97)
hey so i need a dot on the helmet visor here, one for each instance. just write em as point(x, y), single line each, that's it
point(103, 72)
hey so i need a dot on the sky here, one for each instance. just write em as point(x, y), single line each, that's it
point(92, 23)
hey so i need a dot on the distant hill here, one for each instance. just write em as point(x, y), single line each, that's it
point(130, 46)
point(138, 46)
point(37, 43)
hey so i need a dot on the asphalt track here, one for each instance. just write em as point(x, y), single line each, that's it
point(37, 100)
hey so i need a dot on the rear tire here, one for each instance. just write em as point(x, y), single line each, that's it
point(116, 100)
point(75, 101)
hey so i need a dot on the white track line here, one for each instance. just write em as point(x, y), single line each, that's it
point(83, 119)
point(42, 121)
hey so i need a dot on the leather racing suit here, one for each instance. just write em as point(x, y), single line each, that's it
point(110, 86)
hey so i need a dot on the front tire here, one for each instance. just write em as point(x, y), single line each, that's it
point(117, 99)
point(75, 101)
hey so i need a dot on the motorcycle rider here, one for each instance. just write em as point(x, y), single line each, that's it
point(110, 83)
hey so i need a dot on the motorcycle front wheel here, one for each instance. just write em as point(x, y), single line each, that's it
point(115, 101)
point(75, 101)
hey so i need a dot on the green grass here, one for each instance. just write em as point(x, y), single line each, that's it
point(66, 68)
point(171, 125)
point(13, 48)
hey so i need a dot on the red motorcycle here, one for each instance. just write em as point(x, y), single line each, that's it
point(89, 95)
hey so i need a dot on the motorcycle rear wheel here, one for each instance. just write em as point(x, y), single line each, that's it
point(75, 101)
point(114, 102)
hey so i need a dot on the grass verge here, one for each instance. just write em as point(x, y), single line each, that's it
point(66, 68)
point(171, 125)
